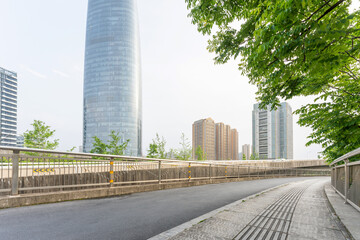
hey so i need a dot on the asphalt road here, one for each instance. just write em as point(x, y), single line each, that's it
point(136, 216)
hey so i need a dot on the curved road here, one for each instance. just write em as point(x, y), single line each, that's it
point(136, 216)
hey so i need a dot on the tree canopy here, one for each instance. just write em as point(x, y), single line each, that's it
point(294, 48)
point(114, 146)
point(40, 137)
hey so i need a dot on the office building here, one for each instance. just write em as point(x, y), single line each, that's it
point(246, 150)
point(273, 132)
point(203, 135)
point(8, 113)
point(218, 141)
point(112, 74)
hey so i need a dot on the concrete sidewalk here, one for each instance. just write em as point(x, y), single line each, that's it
point(298, 210)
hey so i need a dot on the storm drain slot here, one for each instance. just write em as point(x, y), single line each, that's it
point(274, 221)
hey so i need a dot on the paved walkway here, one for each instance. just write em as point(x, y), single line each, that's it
point(297, 210)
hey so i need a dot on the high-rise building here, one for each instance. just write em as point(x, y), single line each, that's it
point(273, 132)
point(112, 76)
point(246, 150)
point(203, 135)
point(234, 145)
point(218, 141)
point(8, 113)
point(227, 142)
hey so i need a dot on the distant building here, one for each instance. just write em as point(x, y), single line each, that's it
point(273, 132)
point(8, 113)
point(234, 145)
point(246, 150)
point(218, 141)
point(19, 141)
point(203, 135)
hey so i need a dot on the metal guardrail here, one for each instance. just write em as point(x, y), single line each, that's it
point(345, 178)
point(24, 170)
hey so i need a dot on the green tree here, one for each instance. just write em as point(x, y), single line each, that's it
point(153, 151)
point(254, 156)
point(157, 148)
point(113, 147)
point(294, 48)
point(185, 151)
point(40, 137)
point(199, 154)
point(243, 157)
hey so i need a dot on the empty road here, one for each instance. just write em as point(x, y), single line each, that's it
point(135, 216)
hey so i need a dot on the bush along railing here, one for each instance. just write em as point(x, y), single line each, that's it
point(25, 170)
point(345, 177)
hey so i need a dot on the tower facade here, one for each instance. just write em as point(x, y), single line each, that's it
point(8, 112)
point(204, 136)
point(112, 75)
point(273, 132)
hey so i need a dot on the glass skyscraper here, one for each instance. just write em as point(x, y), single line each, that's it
point(112, 76)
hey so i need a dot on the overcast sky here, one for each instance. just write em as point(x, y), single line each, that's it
point(44, 42)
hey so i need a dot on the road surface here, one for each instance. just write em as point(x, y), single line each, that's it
point(135, 216)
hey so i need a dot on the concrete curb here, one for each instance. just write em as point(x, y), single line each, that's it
point(176, 230)
point(346, 215)
point(53, 197)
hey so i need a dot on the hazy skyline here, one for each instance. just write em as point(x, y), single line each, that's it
point(43, 41)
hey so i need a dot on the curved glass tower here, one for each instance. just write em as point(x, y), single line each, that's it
point(112, 76)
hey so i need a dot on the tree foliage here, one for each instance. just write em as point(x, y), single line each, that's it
point(200, 154)
point(157, 148)
point(40, 137)
point(294, 48)
point(114, 146)
point(243, 157)
point(185, 150)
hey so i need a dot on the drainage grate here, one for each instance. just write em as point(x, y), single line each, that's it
point(274, 221)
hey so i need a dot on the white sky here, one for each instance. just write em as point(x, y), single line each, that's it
point(44, 41)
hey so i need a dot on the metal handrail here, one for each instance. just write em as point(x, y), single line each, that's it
point(131, 158)
point(347, 174)
point(346, 156)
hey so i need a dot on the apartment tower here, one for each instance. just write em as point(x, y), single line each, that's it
point(234, 145)
point(246, 150)
point(203, 135)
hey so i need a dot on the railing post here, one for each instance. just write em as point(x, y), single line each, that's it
point(111, 172)
point(159, 173)
point(249, 172)
point(258, 172)
point(346, 168)
point(225, 171)
point(189, 172)
point(335, 177)
point(210, 171)
point(238, 171)
point(15, 173)
point(265, 172)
